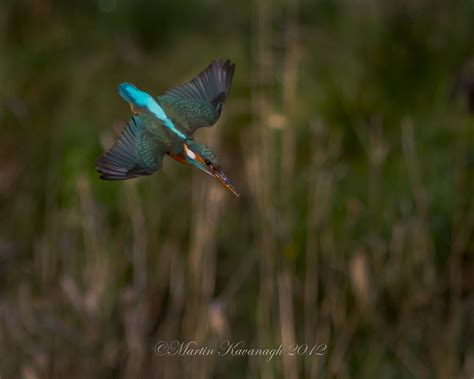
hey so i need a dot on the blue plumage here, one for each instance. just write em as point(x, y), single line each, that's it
point(142, 100)
point(165, 125)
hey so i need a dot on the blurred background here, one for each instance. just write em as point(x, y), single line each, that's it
point(350, 132)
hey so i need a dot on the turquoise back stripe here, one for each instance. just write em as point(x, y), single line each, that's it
point(141, 99)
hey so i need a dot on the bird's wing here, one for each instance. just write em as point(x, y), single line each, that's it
point(199, 102)
point(137, 152)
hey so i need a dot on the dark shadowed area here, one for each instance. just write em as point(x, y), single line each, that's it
point(349, 131)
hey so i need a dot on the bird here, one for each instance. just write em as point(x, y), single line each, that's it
point(164, 125)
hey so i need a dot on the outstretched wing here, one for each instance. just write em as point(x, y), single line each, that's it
point(199, 102)
point(137, 152)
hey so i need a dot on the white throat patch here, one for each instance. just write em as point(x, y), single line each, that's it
point(189, 152)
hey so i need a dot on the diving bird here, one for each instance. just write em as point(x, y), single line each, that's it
point(165, 125)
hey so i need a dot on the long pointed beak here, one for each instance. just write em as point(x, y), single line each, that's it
point(221, 177)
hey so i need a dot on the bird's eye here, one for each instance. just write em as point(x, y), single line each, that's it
point(208, 162)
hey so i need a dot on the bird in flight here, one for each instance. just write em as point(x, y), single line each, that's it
point(165, 125)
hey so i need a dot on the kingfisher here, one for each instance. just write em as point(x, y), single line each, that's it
point(165, 125)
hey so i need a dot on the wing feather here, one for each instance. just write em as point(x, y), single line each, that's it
point(137, 152)
point(199, 102)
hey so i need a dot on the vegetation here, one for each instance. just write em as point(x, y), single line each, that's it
point(349, 133)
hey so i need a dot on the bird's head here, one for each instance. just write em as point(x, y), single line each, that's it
point(203, 158)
